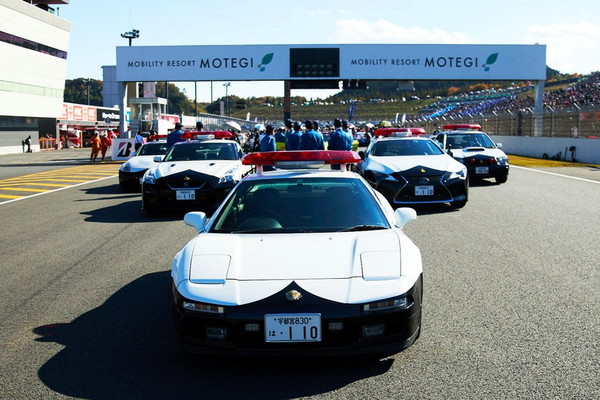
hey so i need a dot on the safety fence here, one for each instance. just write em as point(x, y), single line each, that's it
point(577, 123)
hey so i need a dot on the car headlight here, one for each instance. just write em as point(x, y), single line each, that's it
point(202, 307)
point(126, 167)
point(380, 176)
point(149, 178)
point(400, 303)
point(503, 160)
point(229, 176)
point(461, 174)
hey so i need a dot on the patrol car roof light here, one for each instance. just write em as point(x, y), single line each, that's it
point(300, 158)
point(451, 127)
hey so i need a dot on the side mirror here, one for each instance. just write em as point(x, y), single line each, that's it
point(404, 215)
point(361, 154)
point(157, 159)
point(196, 219)
point(499, 145)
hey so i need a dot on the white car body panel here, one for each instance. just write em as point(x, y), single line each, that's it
point(441, 162)
point(210, 167)
point(138, 163)
point(472, 151)
point(351, 267)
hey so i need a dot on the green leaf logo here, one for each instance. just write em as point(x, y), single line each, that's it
point(490, 60)
point(266, 60)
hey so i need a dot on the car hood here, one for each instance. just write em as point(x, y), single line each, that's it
point(216, 168)
point(139, 163)
point(345, 267)
point(402, 163)
point(474, 151)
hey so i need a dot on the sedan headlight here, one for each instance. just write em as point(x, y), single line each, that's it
point(380, 176)
point(400, 303)
point(202, 307)
point(149, 178)
point(229, 176)
point(503, 160)
point(461, 174)
point(126, 167)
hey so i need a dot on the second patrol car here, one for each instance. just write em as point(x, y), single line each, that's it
point(414, 170)
point(195, 174)
point(476, 150)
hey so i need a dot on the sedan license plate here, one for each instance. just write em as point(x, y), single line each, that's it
point(482, 170)
point(186, 195)
point(293, 328)
point(423, 190)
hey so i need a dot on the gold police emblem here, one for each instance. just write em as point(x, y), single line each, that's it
point(293, 295)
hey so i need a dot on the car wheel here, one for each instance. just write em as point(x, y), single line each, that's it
point(148, 209)
point(458, 204)
point(501, 179)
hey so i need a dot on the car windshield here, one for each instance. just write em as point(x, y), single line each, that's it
point(461, 141)
point(198, 151)
point(152, 149)
point(294, 205)
point(408, 147)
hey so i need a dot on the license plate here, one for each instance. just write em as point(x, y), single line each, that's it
point(423, 190)
point(186, 195)
point(293, 328)
point(482, 170)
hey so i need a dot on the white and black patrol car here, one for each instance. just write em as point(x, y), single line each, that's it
point(476, 150)
point(131, 171)
point(194, 174)
point(299, 262)
point(411, 170)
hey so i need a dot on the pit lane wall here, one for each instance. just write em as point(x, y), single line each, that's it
point(585, 150)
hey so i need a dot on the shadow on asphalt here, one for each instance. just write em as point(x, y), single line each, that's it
point(127, 349)
point(129, 210)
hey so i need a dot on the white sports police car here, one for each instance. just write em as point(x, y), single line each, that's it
point(195, 174)
point(303, 262)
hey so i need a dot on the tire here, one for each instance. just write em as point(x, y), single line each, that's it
point(501, 179)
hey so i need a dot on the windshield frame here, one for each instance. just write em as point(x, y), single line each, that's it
point(301, 205)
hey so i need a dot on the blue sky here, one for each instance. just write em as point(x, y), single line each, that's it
point(569, 29)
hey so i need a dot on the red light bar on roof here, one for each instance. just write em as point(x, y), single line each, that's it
point(451, 127)
point(323, 156)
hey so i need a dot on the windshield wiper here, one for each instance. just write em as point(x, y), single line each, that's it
point(363, 228)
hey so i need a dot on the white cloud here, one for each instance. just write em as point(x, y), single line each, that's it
point(570, 47)
point(383, 31)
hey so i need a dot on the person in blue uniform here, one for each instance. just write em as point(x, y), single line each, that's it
point(339, 139)
point(311, 139)
point(292, 138)
point(175, 136)
point(267, 143)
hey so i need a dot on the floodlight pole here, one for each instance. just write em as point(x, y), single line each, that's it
point(133, 34)
point(227, 84)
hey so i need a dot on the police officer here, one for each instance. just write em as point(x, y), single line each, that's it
point(281, 135)
point(339, 140)
point(311, 139)
point(292, 138)
point(267, 143)
point(175, 135)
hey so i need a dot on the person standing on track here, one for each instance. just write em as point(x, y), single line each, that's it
point(96, 144)
point(311, 139)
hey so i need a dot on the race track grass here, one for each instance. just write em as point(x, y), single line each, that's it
point(538, 162)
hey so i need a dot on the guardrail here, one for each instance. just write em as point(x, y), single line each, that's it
point(566, 124)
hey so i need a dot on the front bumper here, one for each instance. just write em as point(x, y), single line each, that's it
point(131, 179)
point(493, 171)
point(156, 197)
point(403, 191)
point(401, 328)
